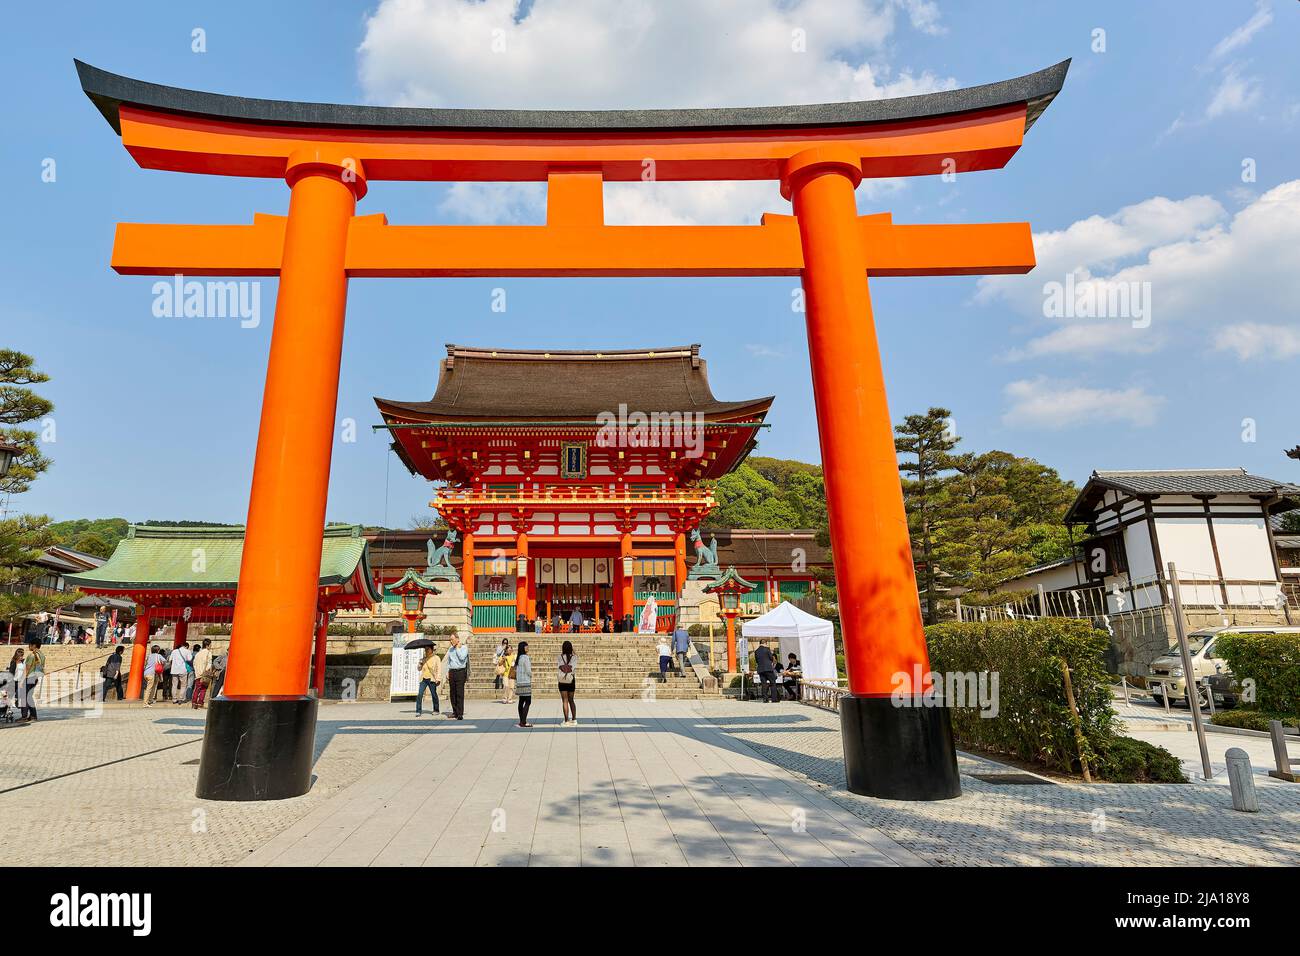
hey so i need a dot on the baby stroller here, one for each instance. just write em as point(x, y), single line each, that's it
point(8, 708)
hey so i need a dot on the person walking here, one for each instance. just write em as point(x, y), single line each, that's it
point(499, 664)
point(766, 668)
point(17, 668)
point(191, 675)
point(507, 665)
point(523, 677)
point(113, 673)
point(567, 667)
point(430, 677)
point(219, 672)
point(575, 620)
point(155, 674)
point(665, 658)
point(101, 625)
point(202, 674)
point(179, 667)
point(457, 663)
point(34, 670)
point(681, 647)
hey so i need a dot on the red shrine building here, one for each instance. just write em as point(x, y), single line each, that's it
point(573, 480)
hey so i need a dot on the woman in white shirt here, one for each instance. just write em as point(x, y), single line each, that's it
point(665, 659)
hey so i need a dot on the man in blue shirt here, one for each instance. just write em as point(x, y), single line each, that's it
point(681, 647)
point(457, 666)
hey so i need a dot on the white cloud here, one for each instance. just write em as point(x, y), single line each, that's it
point(1252, 340)
point(1235, 94)
point(1241, 36)
point(577, 54)
point(760, 350)
point(1052, 404)
point(1203, 268)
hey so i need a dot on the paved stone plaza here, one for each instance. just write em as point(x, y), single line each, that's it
point(637, 782)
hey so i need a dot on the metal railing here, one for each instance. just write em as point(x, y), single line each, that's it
point(1152, 594)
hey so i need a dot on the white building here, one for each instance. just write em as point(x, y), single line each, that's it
point(1212, 523)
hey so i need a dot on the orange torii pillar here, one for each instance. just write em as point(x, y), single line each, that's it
point(260, 731)
point(896, 742)
point(135, 680)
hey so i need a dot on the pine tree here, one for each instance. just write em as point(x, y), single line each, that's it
point(929, 440)
point(19, 405)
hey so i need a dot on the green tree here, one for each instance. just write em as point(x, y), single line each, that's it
point(772, 494)
point(19, 405)
point(926, 442)
point(22, 541)
point(1002, 515)
point(97, 536)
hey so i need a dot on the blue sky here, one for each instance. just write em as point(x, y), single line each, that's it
point(1135, 174)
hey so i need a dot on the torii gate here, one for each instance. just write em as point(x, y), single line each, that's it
point(260, 732)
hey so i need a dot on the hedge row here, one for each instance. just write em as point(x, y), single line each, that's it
point(1272, 662)
point(1033, 721)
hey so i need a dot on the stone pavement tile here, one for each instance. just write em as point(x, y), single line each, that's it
point(747, 841)
point(1064, 825)
point(793, 815)
point(510, 838)
point(837, 830)
point(697, 840)
point(649, 833)
point(80, 817)
point(315, 839)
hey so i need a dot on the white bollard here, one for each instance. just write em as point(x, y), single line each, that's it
point(1241, 780)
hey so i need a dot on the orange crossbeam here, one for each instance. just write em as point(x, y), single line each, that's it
point(376, 249)
point(982, 139)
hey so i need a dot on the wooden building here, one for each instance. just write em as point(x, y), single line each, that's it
point(573, 478)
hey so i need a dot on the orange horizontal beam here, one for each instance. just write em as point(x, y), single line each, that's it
point(981, 139)
point(376, 249)
point(150, 249)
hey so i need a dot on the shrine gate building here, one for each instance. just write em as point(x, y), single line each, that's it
point(573, 479)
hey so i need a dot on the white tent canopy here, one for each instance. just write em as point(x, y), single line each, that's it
point(809, 637)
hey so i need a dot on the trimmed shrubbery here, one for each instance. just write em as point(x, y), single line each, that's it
point(1033, 721)
point(1271, 662)
point(1249, 719)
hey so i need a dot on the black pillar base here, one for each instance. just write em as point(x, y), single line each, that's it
point(898, 753)
point(257, 748)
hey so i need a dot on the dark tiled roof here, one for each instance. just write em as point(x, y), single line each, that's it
point(109, 91)
point(1288, 541)
point(1188, 481)
point(774, 549)
point(1235, 481)
point(520, 385)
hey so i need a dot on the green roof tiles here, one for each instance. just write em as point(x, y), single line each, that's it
point(203, 558)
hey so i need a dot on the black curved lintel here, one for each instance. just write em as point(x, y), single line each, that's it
point(109, 91)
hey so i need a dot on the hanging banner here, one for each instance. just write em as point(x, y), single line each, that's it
point(404, 679)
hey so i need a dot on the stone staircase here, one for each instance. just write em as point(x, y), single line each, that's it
point(624, 666)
